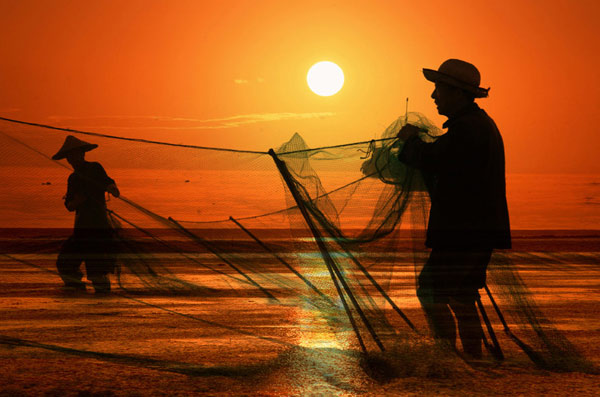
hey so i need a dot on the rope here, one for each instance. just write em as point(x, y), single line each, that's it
point(335, 146)
point(129, 139)
point(293, 207)
point(140, 140)
point(60, 164)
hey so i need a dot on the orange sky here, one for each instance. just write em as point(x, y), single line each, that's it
point(232, 73)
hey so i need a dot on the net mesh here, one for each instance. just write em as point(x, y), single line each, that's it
point(337, 231)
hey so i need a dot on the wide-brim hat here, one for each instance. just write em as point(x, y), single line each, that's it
point(458, 74)
point(71, 144)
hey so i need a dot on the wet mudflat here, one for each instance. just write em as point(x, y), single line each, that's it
point(223, 342)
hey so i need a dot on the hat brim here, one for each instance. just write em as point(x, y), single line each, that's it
point(84, 148)
point(436, 77)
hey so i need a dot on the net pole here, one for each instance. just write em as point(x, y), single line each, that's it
point(528, 350)
point(497, 351)
point(380, 289)
point(500, 316)
point(279, 258)
point(331, 266)
point(328, 261)
point(167, 245)
point(208, 247)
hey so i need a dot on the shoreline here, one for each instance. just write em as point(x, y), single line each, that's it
point(48, 240)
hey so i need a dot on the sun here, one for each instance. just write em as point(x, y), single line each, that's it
point(325, 78)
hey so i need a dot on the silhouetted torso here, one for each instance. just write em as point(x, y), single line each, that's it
point(468, 197)
point(89, 180)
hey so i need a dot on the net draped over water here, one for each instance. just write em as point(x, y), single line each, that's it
point(336, 231)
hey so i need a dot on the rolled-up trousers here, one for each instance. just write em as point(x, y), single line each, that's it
point(450, 279)
point(94, 247)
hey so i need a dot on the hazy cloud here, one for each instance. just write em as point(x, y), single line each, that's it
point(235, 121)
point(9, 110)
point(259, 80)
point(160, 122)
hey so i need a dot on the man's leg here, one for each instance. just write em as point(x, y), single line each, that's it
point(68, 263)
point(97, 274)
point(100, 261)
point(433, 302)
point(469, 327)
point(440, 319)
point(471, 265)
point(97, 268)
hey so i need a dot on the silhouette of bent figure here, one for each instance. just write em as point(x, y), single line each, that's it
point(92, 239)
point(469, 215)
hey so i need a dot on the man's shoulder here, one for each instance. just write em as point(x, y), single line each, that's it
point(94, 166)
point(478, 119)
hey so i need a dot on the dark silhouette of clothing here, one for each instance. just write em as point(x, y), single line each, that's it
point(451, 279)
point(91, 181)
point(468, 219)
point(468, 201)
point(456, 274)
point(93, 247)
point(92, 239)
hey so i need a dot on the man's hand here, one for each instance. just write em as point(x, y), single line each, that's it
point(408, 131)
point(74, 204)
point(113, 189)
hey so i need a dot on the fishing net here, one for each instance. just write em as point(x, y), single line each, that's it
point(337, 232)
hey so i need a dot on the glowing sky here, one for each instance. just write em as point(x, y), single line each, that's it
point(233, 73)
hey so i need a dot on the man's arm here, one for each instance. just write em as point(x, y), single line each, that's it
point(109, 183)
point(113, 189)
point(447, 152)
point(75, 201)
point(74, 197)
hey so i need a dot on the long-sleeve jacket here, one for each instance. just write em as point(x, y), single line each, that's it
point(89, 182)
point(468, 197)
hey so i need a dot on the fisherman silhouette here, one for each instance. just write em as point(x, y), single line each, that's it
point(92, 238)
point(469, 215)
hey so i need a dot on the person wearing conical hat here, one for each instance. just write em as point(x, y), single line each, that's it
point(92, 238)
point(468, 215)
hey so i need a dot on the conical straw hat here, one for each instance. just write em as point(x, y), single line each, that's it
point(72, 143)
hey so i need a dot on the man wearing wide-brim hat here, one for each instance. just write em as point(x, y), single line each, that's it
point(468, 216)
point(92, 239)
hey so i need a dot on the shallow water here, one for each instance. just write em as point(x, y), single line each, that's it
point(536, 201)
point(242, 343)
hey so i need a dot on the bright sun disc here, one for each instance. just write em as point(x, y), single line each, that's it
point(325, 78)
